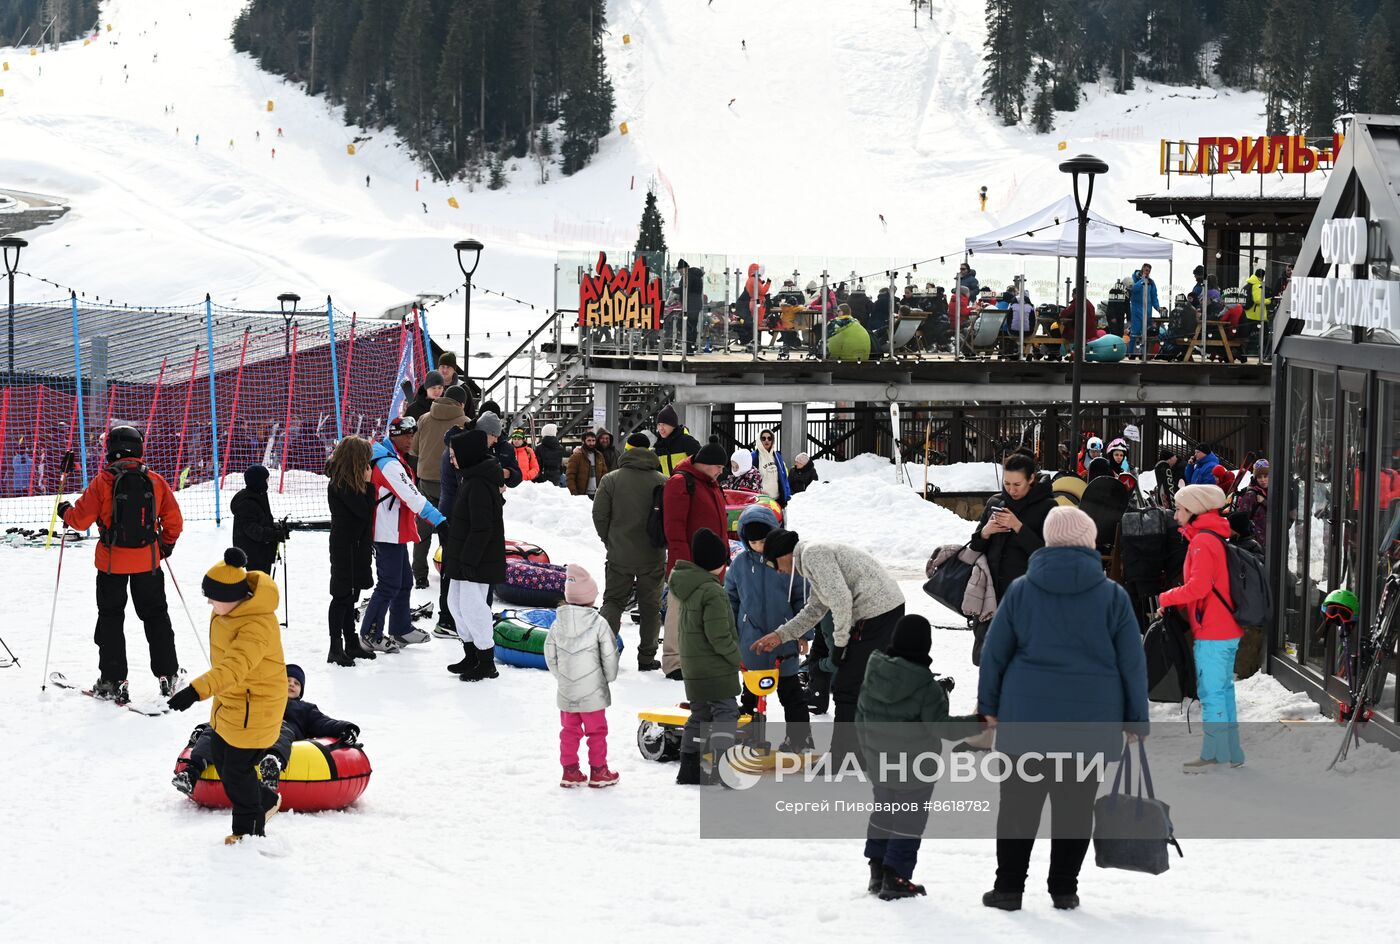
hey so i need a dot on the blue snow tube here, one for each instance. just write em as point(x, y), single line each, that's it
point(519, 637)
point(1108, 349)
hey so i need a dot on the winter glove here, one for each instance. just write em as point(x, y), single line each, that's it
point(838, 655)
point(350, 736)
point(166, 549)
point(183, 699)
point(64, 507)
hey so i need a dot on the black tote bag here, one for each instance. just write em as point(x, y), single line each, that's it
point(1132, 832)
point(948, 583)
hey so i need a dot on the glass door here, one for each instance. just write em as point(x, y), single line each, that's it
point(1320, 572)
point(1348, 568)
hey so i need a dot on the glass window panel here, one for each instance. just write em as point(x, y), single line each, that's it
point(1319, 510)
point(1387, 509)
point(1295, 490)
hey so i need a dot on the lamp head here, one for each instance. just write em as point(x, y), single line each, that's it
point(468, 245)
point(1084, 164)
point(13, 242)
point(288, 298)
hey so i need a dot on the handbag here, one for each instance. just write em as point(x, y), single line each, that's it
point(947, 583)
point(1132, 832)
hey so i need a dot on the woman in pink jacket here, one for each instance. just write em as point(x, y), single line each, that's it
point(1204, 595)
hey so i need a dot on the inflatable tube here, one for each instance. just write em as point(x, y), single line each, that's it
point(322, 774)
point(524, 550)
point(851, 343)
point(1108, 349)
point(533, 585)
point(736, 502)
point(519, 637)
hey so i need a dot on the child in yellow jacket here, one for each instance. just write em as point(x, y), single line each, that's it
point(247, 683)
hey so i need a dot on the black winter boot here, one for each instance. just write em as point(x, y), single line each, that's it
point(338, 655)
point(468, 662)
point(486, 663)
point(896, 886)
point(1065, 902)
point(690, 773)
point(352, 646)
point(877, 877)
point(1006, 901)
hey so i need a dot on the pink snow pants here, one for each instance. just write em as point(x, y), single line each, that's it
point(573, 725)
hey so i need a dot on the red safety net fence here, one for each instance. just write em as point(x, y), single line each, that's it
point(278, 398)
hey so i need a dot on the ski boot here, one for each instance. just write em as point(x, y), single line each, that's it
point(894, 886)
point(170, 684)
point(112, 691)
point(1344, 713)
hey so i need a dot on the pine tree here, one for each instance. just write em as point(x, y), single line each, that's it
point(413, 64)
point(588, 100)
point(498, 172)
point(449, 95)
point(1007, 60)
point(651, 236)
point(1378, 88)
point(1043, 111)
point(1239, 37)
point(1285, 53)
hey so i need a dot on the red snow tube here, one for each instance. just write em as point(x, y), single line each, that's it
point(322, 774)
point(526, 551)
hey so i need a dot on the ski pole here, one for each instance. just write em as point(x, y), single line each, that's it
point(286, 588)
point(13, 657)
point(193, 629)
point(64, 469)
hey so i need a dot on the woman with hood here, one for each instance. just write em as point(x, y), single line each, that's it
point(1118, 456)
point(1205, 596)
point(802, 474)
point(1253, 502)
point(1063, 673)
point(1011, 530)
point(474, 554)
point(550, 454)
point(768, 459)
point(607, 447)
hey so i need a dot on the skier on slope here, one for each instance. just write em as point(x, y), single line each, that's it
point(138, 522)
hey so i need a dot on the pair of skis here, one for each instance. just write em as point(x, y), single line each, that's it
point(152, 710)
point(1371, 664)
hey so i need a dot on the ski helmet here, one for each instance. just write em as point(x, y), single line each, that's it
point(1095, 443)
point(124, 442)
point(403, 425)
point(1341, 597)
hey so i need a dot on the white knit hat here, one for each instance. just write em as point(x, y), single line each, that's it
point(1199, 499)
point(743, 459)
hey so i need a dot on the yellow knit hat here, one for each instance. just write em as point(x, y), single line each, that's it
point(227, 581)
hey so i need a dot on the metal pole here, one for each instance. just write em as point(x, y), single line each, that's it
point(753, 311)
point(1022, 318)
point(725, 313)
point(889, 329)
point(214, 407)
point(826, 316)
point(685, 312)
point(78, 390)
point(558, 321)
point(1080, 326)
point(335, 369)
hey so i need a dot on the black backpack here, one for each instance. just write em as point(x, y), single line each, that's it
point(1171, 665)
point(656, 520)
point(1249, 585)
point(133, 508)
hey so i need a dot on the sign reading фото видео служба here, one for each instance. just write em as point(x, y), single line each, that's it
point(1323, 303)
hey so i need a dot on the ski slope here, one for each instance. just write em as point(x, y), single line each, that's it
point(781, 130)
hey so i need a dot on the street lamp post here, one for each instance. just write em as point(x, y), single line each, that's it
point(1088, 166)
point(288, 301)
point(474, 247)
point(11, 264)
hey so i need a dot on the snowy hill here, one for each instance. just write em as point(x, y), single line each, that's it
point(781, 128)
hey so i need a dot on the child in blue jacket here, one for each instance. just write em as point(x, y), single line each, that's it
point(763, 600)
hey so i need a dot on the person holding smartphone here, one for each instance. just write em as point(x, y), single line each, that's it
point(1010, 530)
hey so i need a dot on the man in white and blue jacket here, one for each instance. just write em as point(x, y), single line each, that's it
point(399, 504)
point(763, 600)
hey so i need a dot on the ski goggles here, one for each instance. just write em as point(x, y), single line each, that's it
point(1338, 611)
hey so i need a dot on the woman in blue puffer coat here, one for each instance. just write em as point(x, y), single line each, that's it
point(1063, 670)
point(763, 600)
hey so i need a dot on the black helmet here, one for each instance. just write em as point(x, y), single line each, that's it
point(124, 442)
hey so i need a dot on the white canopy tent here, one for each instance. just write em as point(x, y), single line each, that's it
point(1054, 231)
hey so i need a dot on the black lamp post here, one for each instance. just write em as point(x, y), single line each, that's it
point(474, 247)
point(288, 301)
point(1089, 166)
point(11, 264)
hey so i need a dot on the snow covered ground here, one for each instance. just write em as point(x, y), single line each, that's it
point(464, 828)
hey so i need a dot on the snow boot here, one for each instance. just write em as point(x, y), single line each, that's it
point(572, 777)
point(1198, 766)
point(185, 780)
point(273, 811)
point(352, 647)
point(601, 777)
point(894, 886)
point(1065, 902)
point(1006, 901)
point(468, 660)
point(650, 665)
point(270, 769)
point(486, 663)
point(337, 654)
point(690, 773)
point(420, 583)
point(877, 877)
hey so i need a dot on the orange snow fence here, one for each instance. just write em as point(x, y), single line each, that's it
point(452, 202)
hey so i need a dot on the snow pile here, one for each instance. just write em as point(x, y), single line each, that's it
point(857, 508)
point(537, 511)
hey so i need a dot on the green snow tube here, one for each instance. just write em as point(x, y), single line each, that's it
point(519, 635)
point(851, 343)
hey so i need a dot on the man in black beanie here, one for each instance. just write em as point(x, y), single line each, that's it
point(255, 532)
point(674, 443)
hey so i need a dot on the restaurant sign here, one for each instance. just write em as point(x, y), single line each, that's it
point(1277, 153)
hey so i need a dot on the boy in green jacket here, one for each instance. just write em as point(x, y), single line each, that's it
point(709, 648)
point(902, 712)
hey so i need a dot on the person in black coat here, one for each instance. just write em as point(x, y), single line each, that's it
point(350, 497)
point(474, 555)
point(1010, 530)
point(802, 474)
point(551, 454)
point(255, 532)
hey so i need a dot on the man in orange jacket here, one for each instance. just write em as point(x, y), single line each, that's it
point(138, 522)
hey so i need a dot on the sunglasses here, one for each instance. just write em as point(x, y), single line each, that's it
point(765, 439)
point(1339, 611)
